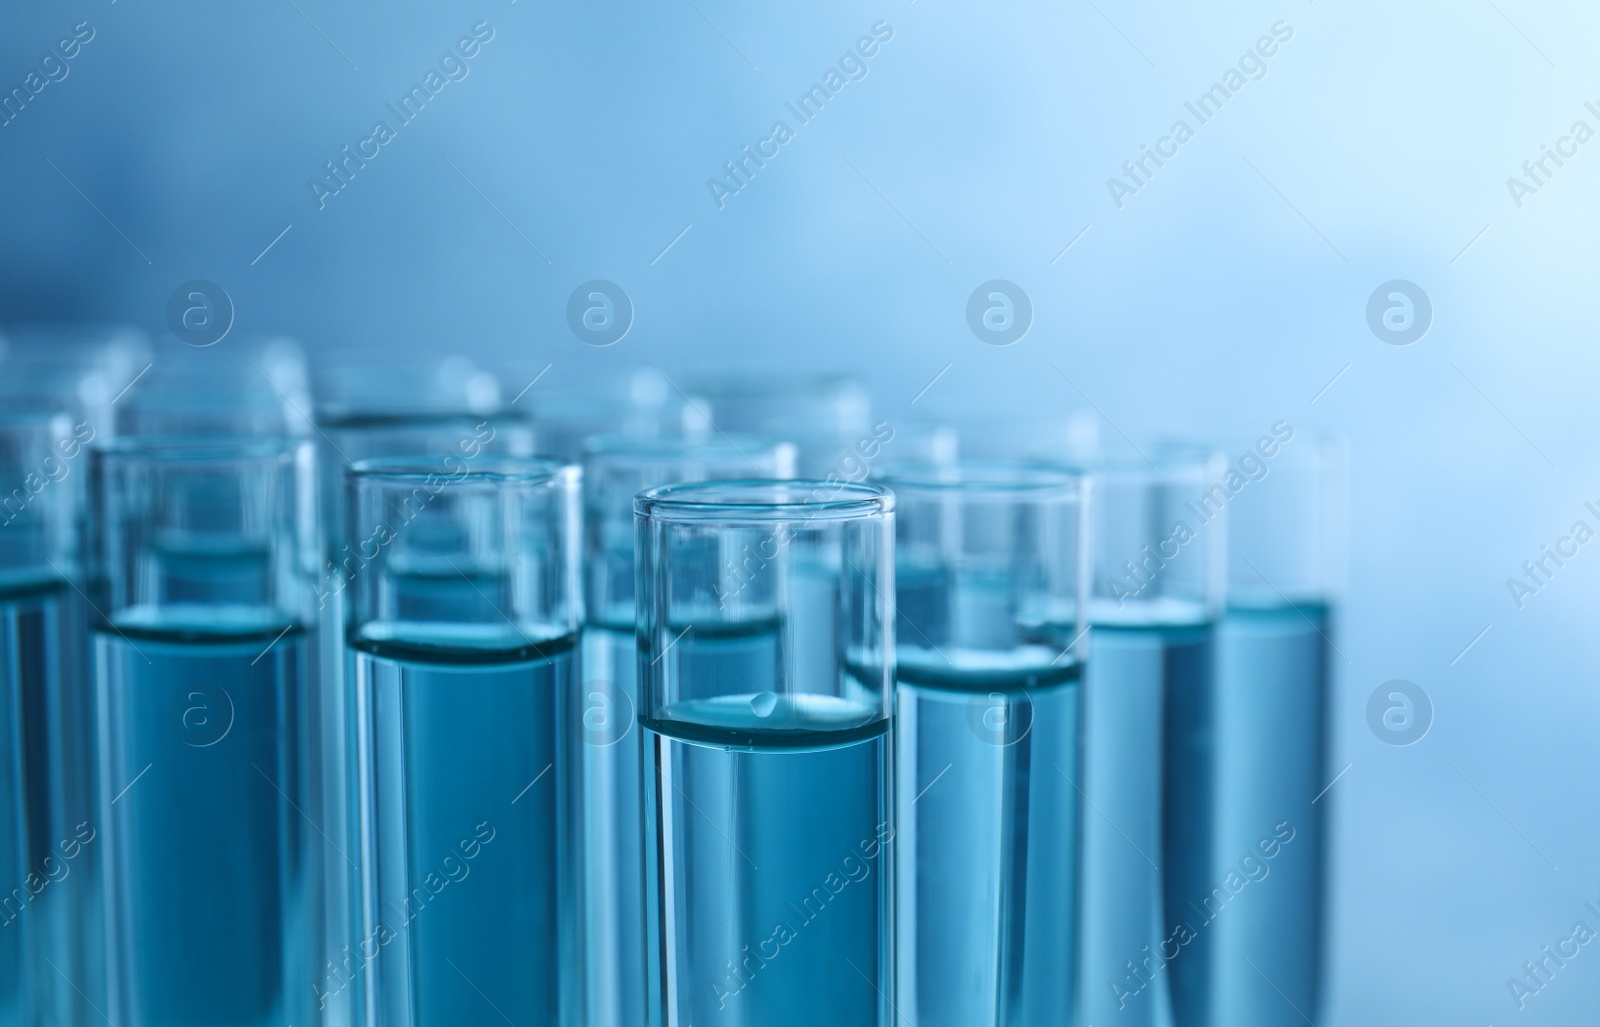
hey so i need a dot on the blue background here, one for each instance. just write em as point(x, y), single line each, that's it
point(1223, 296)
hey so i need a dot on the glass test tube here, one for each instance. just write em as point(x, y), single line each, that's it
point(85, 365)
point(991, 578)
point(249, 387)
point(463, 618)
point(1158, 543)
point(46, 752)
point(765, 666)
point(826, 416)
point(1273, 674)
point(205, 666)
point(764, 402)
point(604, 773)
point(447, 419)
point(853, 456)
point(647, 405)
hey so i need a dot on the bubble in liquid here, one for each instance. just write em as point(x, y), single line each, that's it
point(764, 704)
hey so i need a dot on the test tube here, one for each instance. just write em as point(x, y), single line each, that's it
point(46, 753)
point(1059, 436)
point(605, 766)
point(451, 414)
point(1275, 649)
point(991, 579)
point(765, 702)
point(463, 621)
point(205, 665)
point(762, 401)
point(87, 366)
point(450, 417)
point(83, 368)
point(249, 387)
point(646, 405)
point(854, 455)
point(1158, 545)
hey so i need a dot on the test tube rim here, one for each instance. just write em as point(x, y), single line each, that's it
point(624, 446)
point(697, 502)
point(1021, 478)
point(1179, 461)
point(196, 449)
point(484, 471)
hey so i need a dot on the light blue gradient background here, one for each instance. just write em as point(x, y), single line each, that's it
point(1209, 303)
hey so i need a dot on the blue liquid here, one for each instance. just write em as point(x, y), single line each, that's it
point(341, 1004)
point(770, 864)
point(988, 848)
point(463, 812)
point(987, 733)
point(1189, 839)
point(1271, 694)
point(16, 918)
point(211, 836)
point(609, 861)
point(43, 644)
point(1130, 952)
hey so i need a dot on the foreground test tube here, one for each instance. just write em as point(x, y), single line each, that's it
point(1270, 766)
point(991, 580)
point(1157, 546)
point(204, 668)
point(46, 756)
point(603, 774)
point(463, 621)
point(765, 666)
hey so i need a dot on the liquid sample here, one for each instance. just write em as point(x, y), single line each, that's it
point(1132, 943)
point(211, 837)
point(988, 848)
point(770, 868)
point(1271, 694)
point(16, 918)
point(341, 1003)
point(43, 641)
point(988, 748)
point(605, 799)
point(464, 895)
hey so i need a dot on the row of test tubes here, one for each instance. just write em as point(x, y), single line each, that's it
point(376, 697)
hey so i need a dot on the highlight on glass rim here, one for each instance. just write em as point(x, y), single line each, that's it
point(906, 516)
